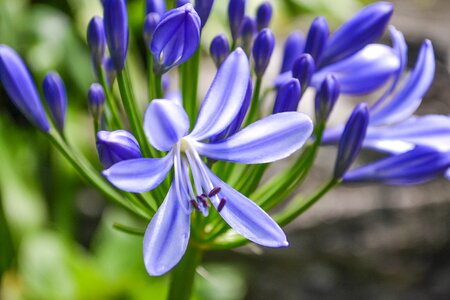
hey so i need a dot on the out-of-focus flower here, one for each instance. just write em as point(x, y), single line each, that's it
point(317, 37)
point(96, 100)
point(303, 69)
point(155, 6)
point(20, 87)
point(116, 146)
point(236, 12)
point(96, 40)
point(219, 49)
point(116, 29)
point(293, 48)
point(248, 32)
point(203, 8)
point(263, 15)
point(167, 125)
point(262, 50)
point(176, 38)
point(325, 99)
point(56, 97)
point(150, 23)
point(288, 96)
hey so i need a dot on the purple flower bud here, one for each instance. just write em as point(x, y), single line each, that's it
point(236, 12)
point(326, 97)
point(219, 49)
point(150, 23)
point(96, 40)
point(293, 47)
point(262, 50)
point(288, 96)
point(264, 15)
point(111, 73)
point(176, 38)
point(20, 87)
point(317, 38)
point(303, 70)
point(56, 97)
point(415, 166)
point(181, 3)
point(116, 146)
point(362, 29)
point(248, 32)
point(155, 6)
point(352, 139)
point(116, 30)
point(96, 100)
point(203, 8)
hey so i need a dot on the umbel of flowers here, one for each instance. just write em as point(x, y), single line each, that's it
point(192, 166)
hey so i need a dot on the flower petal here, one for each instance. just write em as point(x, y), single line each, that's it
point(408, 99)
point(269, 139)
point(363, 72)
point(166, 237)
point(165, 122)
point(225, 96)
point(139, 175)
point(247, 218)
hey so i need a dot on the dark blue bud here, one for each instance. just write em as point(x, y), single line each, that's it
point(181, 3)
point(96, 100)
point(317, 38)
point(326, 97)
point(288, 96)
point(264, 15)
point(116, 30)
point(293, 47)
point(248, 32)
point(56, 97)
point(176, 38)
point(352, 139)
point(96, 40)
point(236, 12)
point(20, 87)
point(262, 50)
point(155, 6)
point(150, 23)
point(219, 49)
point(110, 70)
point(116, 146)
point(303, 69)
point(362, 29)
point(203, 8)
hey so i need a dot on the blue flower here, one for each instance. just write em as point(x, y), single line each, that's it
point(116, 146)
point(176, 38)
point(96, 40)
point(219, 49)
point(116, 29)
point(262, 50)
point(96, 100)
point(194, 186)
point(56, 97)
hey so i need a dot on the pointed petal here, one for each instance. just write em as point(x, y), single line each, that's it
point(139, 175)
point(247, 218)
point(270, 139)
point(225, 96)
point(165, 122)
point(166, 237)
point(408, 99)
point(363, 72)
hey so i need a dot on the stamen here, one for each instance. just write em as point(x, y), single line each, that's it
point(214, 191)
point(204, 200)
point(195, 204)
point(222, 203)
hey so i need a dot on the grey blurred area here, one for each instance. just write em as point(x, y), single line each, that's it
point(369, 242)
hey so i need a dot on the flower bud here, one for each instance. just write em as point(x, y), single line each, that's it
point(155, 6)
point(56, 97)
point(288, 96)
point(352, 139)
point(116, 146)
point(317, 38)
point(219, 49)
point(248, 32)
point(203, 8)
point(116, 30)
point(169, 45)
point(262, 50)
point(303, 70)
point(180, 3)
point(264, 15)
point(96, 40)
point(110, 71)
point(325, 99)
point(20, 88)
point(236, 12)
point(150, 23)
point(96, 100)
point(293, 47)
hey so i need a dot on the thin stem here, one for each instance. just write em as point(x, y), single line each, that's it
point(183, 275)
point(254, 105)
point(158, 87)
point(189, 85)
point(114, 118)
point(151, 78)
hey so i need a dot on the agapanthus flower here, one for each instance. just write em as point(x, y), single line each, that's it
point(194, 185)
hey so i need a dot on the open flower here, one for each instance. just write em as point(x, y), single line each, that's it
point(194, 185)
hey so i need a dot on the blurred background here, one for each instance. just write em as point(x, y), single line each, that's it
point(56, 234)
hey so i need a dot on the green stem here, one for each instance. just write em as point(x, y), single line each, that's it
point(189, 85)
point(114, 119)
point(183, 275)
point(132, 111)
point(151, 78)
point(158, 87)
point(254, 105)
